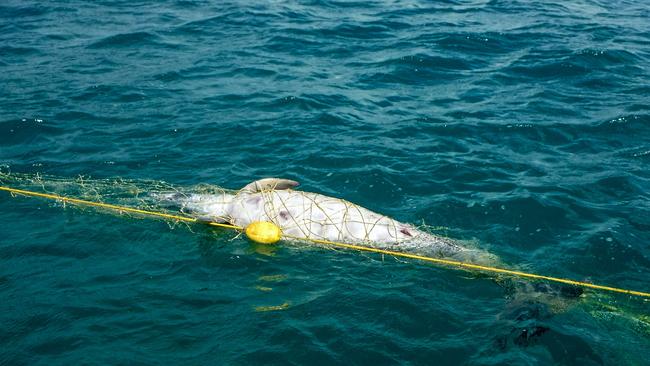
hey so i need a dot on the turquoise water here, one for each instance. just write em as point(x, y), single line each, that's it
point(521, 127)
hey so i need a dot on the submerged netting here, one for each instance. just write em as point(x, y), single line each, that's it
point(134, 193)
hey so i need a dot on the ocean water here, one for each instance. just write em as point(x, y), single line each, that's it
point(522, 127)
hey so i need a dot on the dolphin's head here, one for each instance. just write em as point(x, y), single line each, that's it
point(214, 207)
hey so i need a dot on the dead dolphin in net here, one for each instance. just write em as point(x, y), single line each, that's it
point(315, 216)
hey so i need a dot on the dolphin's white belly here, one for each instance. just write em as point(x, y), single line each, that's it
point(312, 215)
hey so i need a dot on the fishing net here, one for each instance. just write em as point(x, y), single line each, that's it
point(135, 193)
point(314, 216)
point(301, 215)
point(146, 195)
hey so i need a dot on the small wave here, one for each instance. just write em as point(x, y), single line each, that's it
point(8, 51)
point(476, 43)
point(126, 40)
point(419, 69)
point(22, 131)
point(302, 102)
point(638, 124)
point(357, 31)
point(215, 24)
point(12, 12)
point(551, 68)
point(292, 45)
point(251, 72)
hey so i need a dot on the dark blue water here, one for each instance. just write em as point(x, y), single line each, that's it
point(521, 126)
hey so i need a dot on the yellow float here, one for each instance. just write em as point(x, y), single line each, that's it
point(263, 232)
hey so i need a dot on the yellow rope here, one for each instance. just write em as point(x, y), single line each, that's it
point(335, 244)
point(114, 207)
point(472, 266)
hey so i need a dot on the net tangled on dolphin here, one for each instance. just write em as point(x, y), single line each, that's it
point(309, 216)
point(299, 214)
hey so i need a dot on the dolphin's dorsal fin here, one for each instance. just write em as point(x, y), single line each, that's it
point(269, 184)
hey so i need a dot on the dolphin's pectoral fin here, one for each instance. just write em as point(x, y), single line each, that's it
point(269, 184)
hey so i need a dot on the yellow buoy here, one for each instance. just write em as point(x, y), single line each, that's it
point(263, 232)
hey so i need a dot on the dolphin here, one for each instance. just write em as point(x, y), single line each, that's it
point(307, 215)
